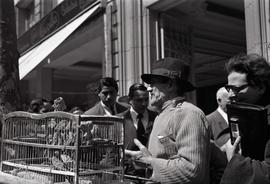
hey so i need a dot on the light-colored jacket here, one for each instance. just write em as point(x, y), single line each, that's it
point(180, 144)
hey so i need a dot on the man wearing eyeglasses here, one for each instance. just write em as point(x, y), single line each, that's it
point(107, 92)
point(248, 82)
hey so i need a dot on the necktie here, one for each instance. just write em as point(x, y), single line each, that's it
point(140, 130)
point(112, 110)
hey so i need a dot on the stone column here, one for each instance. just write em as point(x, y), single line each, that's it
point(127, 40)
point(257, 27)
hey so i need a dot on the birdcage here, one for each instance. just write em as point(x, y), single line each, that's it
point(59, 147)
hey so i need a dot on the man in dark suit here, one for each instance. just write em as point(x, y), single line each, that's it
point(218, 120)
point(138, 119)
point(219, 130)
point(107, 92)
point(138, 124)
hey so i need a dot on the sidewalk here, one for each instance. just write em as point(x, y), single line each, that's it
point(10, 179)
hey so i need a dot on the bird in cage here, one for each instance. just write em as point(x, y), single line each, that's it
point(14, 171)
point(59, 104)
point(59, 133)
point(50, 137)
point(67, 160)
point(70, 131)
point(109, 158)
point(11, 152)
point(86, 132)
point(56, 161)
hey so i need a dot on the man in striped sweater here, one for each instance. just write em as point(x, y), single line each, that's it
point(179, 145)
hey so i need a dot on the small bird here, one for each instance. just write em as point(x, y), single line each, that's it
point(66, 159)
point(14, 172)
point(10, 151)
point(56, 162)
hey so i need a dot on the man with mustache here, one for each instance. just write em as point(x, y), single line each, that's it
point(179, 143)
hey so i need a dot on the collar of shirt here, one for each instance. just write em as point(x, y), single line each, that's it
point(172, 102)
point(223, 114)
point(107, 109)
point(135, 120)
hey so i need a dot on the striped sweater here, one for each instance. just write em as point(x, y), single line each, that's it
point(180, 144)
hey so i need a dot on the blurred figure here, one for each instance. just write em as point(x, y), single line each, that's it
point(218, 120)
point(107, 92)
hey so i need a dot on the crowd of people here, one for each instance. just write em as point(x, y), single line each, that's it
point(176, 141)
point(41, 105)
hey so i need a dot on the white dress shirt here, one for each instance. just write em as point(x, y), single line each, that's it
point(223, 114)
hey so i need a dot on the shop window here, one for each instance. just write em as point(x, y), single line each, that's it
point(173, 39)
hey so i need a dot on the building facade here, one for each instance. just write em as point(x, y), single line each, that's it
point(124, 38)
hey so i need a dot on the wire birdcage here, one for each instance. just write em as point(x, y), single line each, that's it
point(60, 147)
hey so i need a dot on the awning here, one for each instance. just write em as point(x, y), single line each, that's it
point(32, 58)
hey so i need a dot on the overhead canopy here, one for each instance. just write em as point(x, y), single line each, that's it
point(32, 58)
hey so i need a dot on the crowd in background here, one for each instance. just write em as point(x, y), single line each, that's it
point(177, 140)
point(41, 105)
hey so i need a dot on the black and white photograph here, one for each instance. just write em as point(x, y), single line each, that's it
point(134, 91)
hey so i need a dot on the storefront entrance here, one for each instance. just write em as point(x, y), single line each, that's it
point(206, 34)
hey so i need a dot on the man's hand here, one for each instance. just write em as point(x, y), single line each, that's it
point(230, 149)
point(143, 155)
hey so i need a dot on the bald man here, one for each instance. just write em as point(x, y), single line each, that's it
point(218, 120)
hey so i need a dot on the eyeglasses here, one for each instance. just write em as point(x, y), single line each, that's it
point(235, 89)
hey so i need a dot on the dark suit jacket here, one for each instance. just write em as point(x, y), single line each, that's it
point(99, 110)
point(130, 130)
point(219, 129)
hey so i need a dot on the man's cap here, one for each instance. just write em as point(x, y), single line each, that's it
point(170, 68)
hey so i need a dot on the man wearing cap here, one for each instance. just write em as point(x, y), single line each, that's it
point(179, 143)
